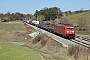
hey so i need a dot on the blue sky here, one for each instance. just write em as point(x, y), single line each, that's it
point(29, 6)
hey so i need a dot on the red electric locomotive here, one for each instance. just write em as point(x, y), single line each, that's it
point(66, 30)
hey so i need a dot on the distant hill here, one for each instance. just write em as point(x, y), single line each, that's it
point(73, 19)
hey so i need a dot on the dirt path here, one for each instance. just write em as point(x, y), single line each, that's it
point(19, 43)
point(42, 57)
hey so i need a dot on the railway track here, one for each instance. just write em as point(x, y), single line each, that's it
point(80, 43)
point(86, 38)
point(81, 40)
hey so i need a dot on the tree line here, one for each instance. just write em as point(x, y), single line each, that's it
point(44, 14)
point(13, 16)
point(49, 13)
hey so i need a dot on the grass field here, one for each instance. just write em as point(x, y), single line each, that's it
point(13, 31)
point(10, 51)
point(12, 26)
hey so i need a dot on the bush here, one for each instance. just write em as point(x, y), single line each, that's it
point(43, 42)
point(37, 39)
point(71, 50)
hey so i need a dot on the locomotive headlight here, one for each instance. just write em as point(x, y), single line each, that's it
point(72, 31)
point(67, 31)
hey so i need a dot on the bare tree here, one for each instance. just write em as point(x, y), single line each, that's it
point(82, 24)
point(41, 18)
point(64, 20)
point(33, 17)
point(1, 16)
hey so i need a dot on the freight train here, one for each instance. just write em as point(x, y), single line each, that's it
point(64, 30)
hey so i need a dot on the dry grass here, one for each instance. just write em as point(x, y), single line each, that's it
point(46, 43)
point(13, 36)
point(29, 29)
point(79, 53)
point(48, 48)
point(9, 33)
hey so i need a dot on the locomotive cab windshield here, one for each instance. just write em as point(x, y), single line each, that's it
point(70, 28)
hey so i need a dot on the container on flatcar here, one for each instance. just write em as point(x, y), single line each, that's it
point(35, 22)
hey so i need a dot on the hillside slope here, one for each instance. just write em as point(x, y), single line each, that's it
point(75, 17)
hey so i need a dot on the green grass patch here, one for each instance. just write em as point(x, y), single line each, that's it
point(83, 32)
point(12, 26)
point(10, 51)
point(12, 31)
